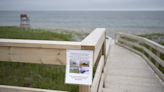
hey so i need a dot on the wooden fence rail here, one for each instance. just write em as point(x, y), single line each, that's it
point(5, 88)
point(152, 52)
point(54, 52)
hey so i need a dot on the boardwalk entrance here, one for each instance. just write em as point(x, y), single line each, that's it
point(128, 72)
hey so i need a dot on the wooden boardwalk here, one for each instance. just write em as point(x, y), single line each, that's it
point(118, 69)
point(128, 72)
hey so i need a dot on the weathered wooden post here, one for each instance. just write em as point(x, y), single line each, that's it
point(158, 54)
point(96, 42)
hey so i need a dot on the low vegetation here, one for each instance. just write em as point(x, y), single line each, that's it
point(35, 34)
point(34, 75)
point(157, 37)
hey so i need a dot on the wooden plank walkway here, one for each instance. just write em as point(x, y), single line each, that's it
point(128, 72)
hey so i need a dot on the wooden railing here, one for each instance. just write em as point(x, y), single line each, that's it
point(152, 52)
point(54, 52)
point(102, 67)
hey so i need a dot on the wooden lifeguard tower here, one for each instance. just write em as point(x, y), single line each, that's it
point(24, 21)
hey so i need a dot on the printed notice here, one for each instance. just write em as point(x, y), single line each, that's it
point(79, 67)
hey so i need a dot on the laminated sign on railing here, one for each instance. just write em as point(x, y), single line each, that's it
point(79, 67)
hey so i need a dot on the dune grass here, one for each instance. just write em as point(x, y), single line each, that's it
point(35, 34)
point(157, 37)
point(34, 75)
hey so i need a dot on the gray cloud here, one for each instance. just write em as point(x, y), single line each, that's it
point(81, 4)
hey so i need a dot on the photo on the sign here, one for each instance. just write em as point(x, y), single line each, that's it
point(74, 66)
point(84, 70)
point(84, 66)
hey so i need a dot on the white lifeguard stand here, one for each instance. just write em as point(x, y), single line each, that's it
point(24, 21)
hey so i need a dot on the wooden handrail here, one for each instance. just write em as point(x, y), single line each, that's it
point(125, 40)
point(4, 88)
point(40, 43)
point(98, 74)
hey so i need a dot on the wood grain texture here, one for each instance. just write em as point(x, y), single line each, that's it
point(4, 88)
point(98, 73)
point(40, 43)
point(36, 51)
point(33, 55)
point(94, 41)
point(83, 88)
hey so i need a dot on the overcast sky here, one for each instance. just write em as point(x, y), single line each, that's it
point(81, 4)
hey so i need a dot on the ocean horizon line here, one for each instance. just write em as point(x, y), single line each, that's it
point(95, 10)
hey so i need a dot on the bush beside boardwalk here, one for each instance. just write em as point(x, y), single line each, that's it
point(34, 75)
point(157, 37)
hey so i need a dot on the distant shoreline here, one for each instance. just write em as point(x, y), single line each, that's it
point(110, 31)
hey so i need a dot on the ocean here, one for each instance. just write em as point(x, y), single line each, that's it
point(136, 22)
